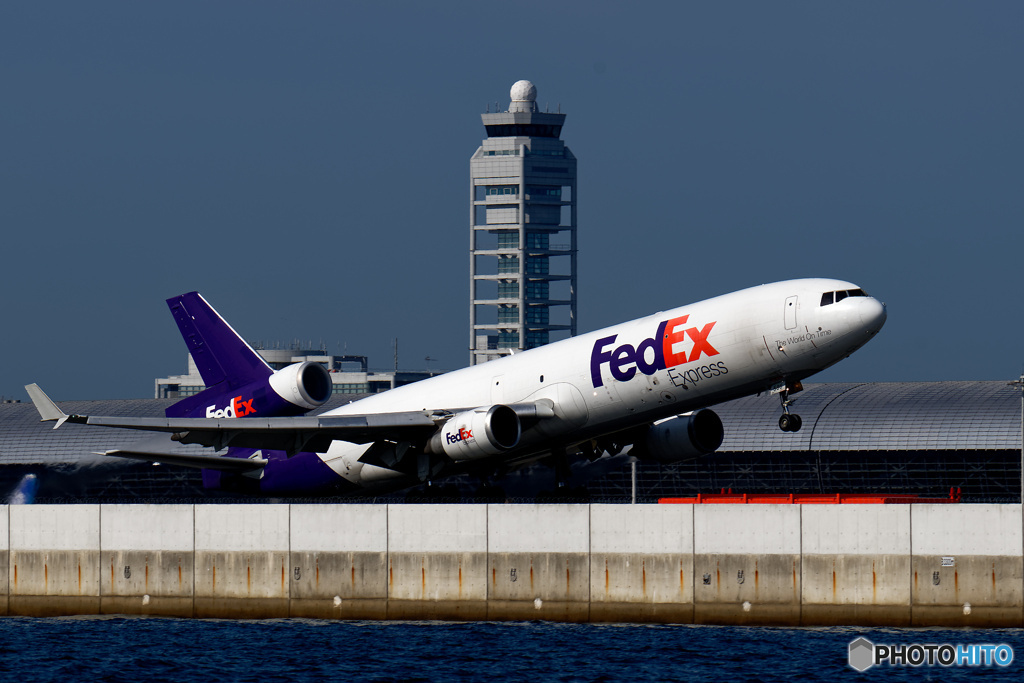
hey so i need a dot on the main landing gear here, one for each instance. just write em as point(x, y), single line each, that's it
point(789, 422)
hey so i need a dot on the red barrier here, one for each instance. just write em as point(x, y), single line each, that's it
point(808, 498)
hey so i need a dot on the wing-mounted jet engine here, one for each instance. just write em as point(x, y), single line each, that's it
point(681, 438)
point(477, 433)
point(466, 436)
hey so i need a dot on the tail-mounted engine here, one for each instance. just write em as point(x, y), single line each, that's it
point(294, 390)
point(684, 437)
point(477, 433)
point(307, 385)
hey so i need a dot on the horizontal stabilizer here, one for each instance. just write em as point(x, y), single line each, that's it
point(205, 462)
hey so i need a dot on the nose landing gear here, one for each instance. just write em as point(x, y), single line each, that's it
point(789, 422)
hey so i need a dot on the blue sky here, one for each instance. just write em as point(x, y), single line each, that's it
point(306, 165)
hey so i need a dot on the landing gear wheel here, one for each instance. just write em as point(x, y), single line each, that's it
point(790, 423)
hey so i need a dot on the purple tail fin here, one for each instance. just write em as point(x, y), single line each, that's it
point(220, 354)
point(239, 383)
point(225, 361)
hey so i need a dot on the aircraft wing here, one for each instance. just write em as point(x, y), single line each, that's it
point(205, 462)
point(291, 434)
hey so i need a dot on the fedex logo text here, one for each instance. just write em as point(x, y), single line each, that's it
point(237, 408)
point(462, 435)
point(656, 353)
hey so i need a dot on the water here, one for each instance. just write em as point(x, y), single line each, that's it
point(183, 650)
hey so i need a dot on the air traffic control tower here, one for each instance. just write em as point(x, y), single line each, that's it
point(522, 237)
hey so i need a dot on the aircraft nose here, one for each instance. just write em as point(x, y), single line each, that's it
point(872, 314)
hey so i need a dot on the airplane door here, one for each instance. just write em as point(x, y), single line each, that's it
point(790, 315)
point(498, 389)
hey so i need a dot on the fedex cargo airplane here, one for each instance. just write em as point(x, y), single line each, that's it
point(644, 384)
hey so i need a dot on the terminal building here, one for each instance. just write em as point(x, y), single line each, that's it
point(522, 234)
point(349, 374)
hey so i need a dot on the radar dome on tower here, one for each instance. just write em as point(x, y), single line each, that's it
point(524, 96)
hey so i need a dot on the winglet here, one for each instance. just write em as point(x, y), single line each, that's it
point(48, 410)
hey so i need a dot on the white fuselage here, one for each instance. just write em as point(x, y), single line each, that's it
point(644, 370)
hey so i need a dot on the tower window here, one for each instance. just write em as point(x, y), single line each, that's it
point(508, 340)
point(538, 315)
point(508, 264)
point(508, 239)
point(508, 314)
point(536, 338)
point(537, 290)
point(537, 265)
point(538, 240)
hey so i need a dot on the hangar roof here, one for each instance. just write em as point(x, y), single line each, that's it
point(883, 416)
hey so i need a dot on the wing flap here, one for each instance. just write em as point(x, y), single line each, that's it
point(336, 423)
point(206, 462)
point(290, 434)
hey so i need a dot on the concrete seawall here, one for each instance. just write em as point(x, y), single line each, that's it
point(900, 565)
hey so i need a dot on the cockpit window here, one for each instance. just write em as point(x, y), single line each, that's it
point(835, 297)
